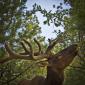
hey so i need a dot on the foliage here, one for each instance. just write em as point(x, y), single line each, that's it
point(56, 17)
point(76, 22)
point(77, 13)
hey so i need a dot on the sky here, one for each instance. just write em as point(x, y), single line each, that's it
point(47, 31)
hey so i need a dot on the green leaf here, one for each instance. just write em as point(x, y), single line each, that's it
point(30, 26)
point(56, 24)
point(54, 6)
point(45, 22)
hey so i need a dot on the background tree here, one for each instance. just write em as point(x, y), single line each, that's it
point(75, 23)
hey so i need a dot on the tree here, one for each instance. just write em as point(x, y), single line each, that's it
point(76, 22)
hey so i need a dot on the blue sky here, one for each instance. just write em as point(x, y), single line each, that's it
point(47, 31)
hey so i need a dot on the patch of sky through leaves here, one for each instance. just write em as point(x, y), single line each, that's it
point(47, 31)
